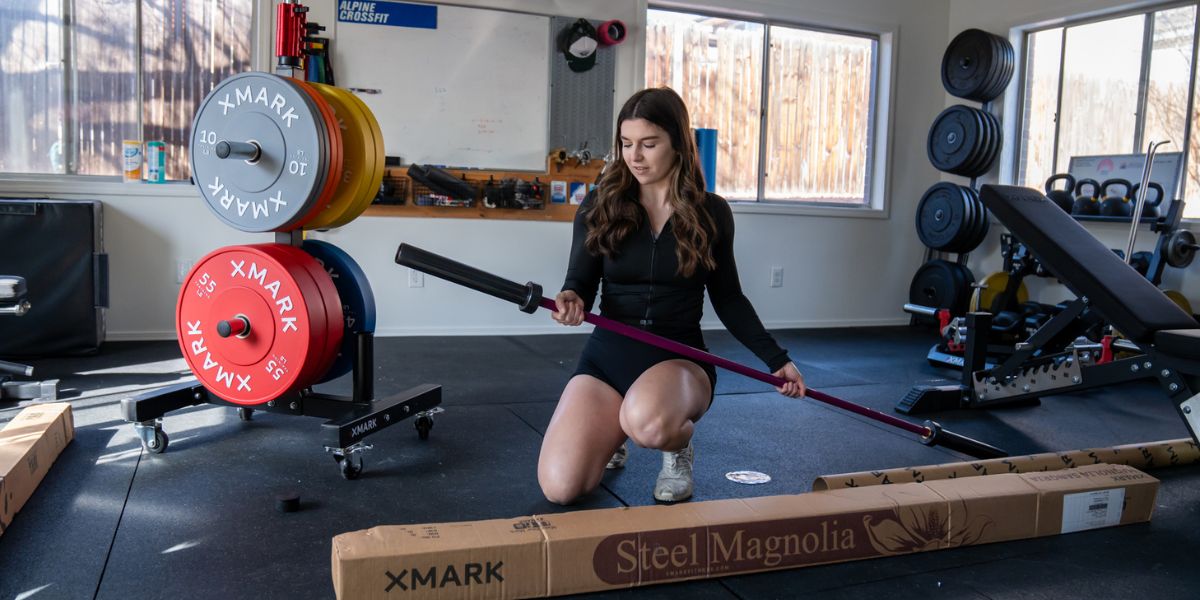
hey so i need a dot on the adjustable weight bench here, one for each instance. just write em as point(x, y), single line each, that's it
point(1165, 339)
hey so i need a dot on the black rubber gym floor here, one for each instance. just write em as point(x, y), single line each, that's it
point(199, 521)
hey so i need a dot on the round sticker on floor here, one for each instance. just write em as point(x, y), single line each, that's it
point(748, 477)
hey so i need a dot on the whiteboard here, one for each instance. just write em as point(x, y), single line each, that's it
point(474, 92)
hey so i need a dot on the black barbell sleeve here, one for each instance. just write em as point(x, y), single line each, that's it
point(960, 443)
point(244, 150)
point(16, 368)
point(526, 296)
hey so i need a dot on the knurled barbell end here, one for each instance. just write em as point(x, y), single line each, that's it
point(934, 429)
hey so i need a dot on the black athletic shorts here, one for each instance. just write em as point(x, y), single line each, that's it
point(618, 360)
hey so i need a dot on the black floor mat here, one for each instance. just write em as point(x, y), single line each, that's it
point(199, 521)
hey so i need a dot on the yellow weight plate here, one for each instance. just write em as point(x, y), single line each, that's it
point(374, 148)
point(993, 285)
point(1180, 300)
point(355, 164)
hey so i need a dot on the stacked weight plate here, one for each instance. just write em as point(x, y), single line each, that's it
point(942, 284)
point(964, 141)
point(977, 65)
point(270, 153)
point(273, 154)
point(951, 218)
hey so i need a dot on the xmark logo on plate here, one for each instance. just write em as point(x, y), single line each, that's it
point(247, 95)
point(435, 578)
point(198, 347)
point(259, 209)
point(260, 275)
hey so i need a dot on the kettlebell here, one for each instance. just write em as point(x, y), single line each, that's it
point(1063, 197)
point(1150, 208)
point(1086, 205)
point(1141, 262)
point(1116, 206)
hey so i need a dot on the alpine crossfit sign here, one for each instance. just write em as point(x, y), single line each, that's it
point(397, 14)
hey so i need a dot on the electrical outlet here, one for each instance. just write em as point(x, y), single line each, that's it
point(181, 270)
point(776, 276)
point(416, 278)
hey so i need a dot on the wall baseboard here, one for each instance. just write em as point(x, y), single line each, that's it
point(547, 329)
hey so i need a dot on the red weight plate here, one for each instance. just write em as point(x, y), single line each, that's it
point(335, 321)
point(287, 324)
point(315, 303)
point(335, 152)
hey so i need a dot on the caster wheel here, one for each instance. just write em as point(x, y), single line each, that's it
point(245, 413)
point(424, 423)
point(158, 445)
point(350, 466)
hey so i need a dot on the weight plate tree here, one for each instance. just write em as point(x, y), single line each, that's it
point(260, 325)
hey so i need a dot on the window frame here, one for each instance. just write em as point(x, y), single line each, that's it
point(882, 90)
point(262, 32)
point(1139, 142)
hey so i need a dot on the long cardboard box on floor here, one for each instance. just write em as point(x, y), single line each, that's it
point(29, 444)
point(584, 551)
point(1145, 456)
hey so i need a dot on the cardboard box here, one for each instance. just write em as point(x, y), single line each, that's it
point(1091, 497)
point(29, 444)
point(594, 550)
point(1152, 455)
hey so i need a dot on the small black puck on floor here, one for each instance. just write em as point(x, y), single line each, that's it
point(287, 502)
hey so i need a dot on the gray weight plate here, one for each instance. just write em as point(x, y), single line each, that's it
point(273, 192)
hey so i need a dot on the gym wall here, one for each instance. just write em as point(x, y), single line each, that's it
point(1001, 18)
point(838, 271)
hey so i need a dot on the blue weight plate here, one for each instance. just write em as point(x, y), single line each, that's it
point(358, 303)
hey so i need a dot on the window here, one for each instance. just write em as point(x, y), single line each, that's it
point(1110, 87)
point(79, 78)
point(817, 89)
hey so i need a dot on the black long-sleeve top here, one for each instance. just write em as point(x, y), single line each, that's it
point(641, 284)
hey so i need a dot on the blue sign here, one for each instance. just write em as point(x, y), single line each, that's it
point(398, 14)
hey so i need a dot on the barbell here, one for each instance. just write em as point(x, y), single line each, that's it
point(528, 297)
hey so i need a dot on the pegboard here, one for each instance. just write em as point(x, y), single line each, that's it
point(581, 104)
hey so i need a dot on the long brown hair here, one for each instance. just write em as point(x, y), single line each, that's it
point(615, 212)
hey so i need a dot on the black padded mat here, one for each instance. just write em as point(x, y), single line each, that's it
point(200, 521)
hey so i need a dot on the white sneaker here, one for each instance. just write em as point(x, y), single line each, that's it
point(618, 458)
point(675, 478)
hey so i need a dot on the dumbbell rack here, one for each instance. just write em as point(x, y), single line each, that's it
point(351, 419)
